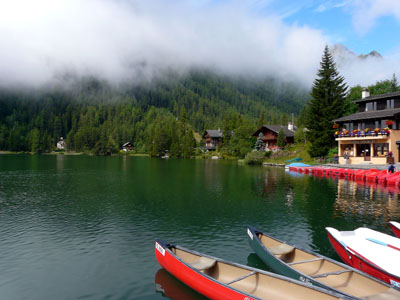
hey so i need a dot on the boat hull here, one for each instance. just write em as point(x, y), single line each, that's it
point(276, 265)
point(209, 288)
point(315, 269)
point(395, 228)
point(218, 279)
point(356, 260)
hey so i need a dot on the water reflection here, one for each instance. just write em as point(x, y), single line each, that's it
point(96, 218)
point(60, 163)
point(367, 201)
point(170, 287)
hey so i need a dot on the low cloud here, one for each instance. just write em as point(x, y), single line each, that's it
point(134, 40)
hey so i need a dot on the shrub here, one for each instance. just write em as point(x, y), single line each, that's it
point(332, 152)
point(254, 158)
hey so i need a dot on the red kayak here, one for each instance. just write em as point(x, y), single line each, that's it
point(218, 279)
point(370, 251)
point(395, 228)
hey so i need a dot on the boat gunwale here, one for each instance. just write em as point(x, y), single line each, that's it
point(395, 226)
point(254, 231)
point(167, 246)
point(367, 263)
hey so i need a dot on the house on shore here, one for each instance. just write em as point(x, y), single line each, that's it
point(128, 146)
point(371, 135)
point(270, 135)
point(212, 138)
point(61, 144)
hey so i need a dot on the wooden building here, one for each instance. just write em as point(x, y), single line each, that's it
point(128, 146)
point(270, 135)
point(372, 134)
point(212, 138)
point(61, 144)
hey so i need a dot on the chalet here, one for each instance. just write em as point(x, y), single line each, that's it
point(61, 144)
point(128, 146)
point(372, 134)
point(212, 138)
point(270, 135)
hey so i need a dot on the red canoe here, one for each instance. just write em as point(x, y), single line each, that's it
point(218, 279)
point(395, 228)
point(370, 251)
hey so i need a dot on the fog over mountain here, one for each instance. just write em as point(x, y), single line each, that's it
point(132, 41)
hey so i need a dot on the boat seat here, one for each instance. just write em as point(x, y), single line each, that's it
point(203, 263)
point(390, 294)
point(282, 249)
point(241, 277)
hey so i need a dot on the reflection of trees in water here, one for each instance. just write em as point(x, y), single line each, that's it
point(366, 201)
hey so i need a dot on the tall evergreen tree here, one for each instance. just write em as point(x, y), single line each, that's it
point(259, 142)
point(394, 84)
point(261, 120)
point(327, 103)
point(281, 138)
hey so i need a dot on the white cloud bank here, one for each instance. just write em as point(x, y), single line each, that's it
point(132, 40)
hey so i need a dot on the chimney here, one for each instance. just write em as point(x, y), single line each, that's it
point(364, 93)
point(290, 126)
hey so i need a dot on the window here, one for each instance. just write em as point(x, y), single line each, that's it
point(381, 149)
point(390, 103)
point(370, 106)
point(363, 150)
point(369, 124)
point(348, 126)
point(348, 148)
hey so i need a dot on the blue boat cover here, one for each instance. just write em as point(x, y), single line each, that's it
point(294, 159)
point(298, 165)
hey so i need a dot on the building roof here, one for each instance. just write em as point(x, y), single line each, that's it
point(378, 97)
point(213, 133)
point(127, 144)
point(276, 128)
point(374, 114)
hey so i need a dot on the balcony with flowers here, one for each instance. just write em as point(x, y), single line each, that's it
point(375, 133)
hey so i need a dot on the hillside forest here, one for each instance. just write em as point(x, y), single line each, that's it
point(94, 116)
point(170, 114)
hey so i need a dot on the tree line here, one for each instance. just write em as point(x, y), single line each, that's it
point(96, 117)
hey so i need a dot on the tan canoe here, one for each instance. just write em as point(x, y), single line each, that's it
point(318, 270)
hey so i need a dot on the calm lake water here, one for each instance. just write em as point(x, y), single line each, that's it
point(79, 227)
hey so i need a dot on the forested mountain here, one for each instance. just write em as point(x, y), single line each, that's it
point(96, 116)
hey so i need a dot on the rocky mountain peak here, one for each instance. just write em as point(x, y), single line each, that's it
point(343, 55)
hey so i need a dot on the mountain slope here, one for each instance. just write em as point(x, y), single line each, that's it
point(89, 107)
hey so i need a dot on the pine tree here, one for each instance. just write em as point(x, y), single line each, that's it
point(281, 138)
point(261, 120)
point(394, 84)
point(284, 119)
point(327, 103)
point(260, 142)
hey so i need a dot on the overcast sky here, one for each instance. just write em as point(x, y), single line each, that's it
point(122, 40)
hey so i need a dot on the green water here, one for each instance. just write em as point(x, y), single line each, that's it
point(79, 227)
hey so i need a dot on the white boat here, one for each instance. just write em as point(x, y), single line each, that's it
point(370, 251)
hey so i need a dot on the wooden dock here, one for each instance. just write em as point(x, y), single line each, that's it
point(273, 165)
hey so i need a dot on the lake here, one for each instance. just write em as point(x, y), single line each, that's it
point(82, 227)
